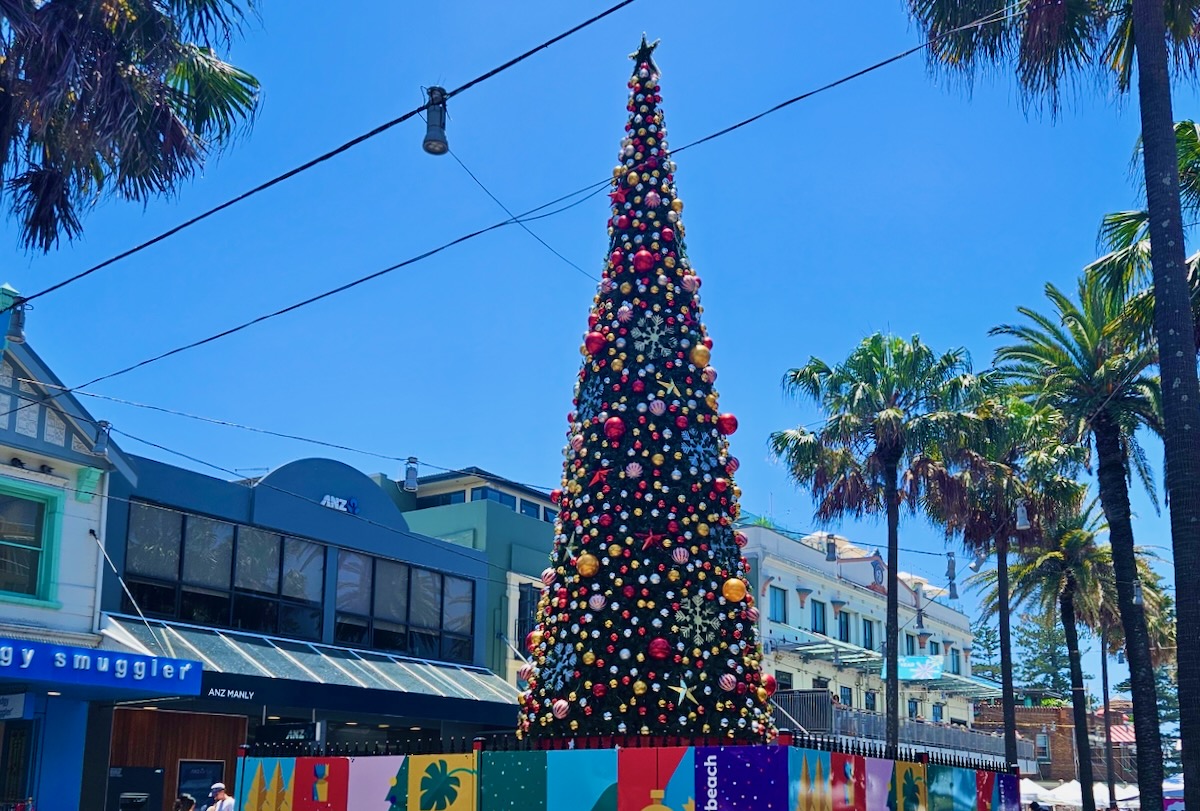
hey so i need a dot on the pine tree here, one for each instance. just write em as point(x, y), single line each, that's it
point(1042, 660)
point(647, 624)
point(985, 651)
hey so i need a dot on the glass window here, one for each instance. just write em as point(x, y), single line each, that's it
point(354, 582)
point(956, 661)
point(442, 499)
point(868, 639)
point(818, 617)
point(531, 508)
point(458, 607)
point(846, 696)
point(255, 614)
point(391, 591)
point(153, 599)
point(783, 679)
point(1042, 747)
point(207, 552)
point(257, 561)
point(871, 701)
point(914, 708)
point(456, 649)
point(152, 546)
point(352, 631)
point(526, 614)
point(844, 626)
point(425, 608)
point(300, 621)
point(935, 649)
point(201, 607)
point(390, 636)
point(820, 683)
point(492, 494)
point(910, 645)
point(549, 515)
point(778, 607)
point(939, 712)
point(303, 570)
point(423, 644)
point(21, 528)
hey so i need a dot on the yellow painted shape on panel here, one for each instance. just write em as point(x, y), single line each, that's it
point(444, 775)
point(256, 792)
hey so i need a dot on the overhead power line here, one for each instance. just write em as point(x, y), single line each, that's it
point(304, 167)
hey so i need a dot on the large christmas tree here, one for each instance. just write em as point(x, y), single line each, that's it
point(647, 623)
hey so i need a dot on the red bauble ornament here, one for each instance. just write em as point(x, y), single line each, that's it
point(681, 421)
point(616, 257)
point(727, 424)
point(614, 427)
point(668, 235)
point(659, 648)
point(556, 495)
point(721, 484)
point(594, 342)
point(643, 260)
point(769, 684)
point(622, 222)
point(598, 689)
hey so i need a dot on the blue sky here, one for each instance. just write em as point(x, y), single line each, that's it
point(894, 203)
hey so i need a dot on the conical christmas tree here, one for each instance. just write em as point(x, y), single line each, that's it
point(647, 624)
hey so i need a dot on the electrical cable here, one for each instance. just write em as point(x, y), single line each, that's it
point(348, 145)
point(985, 20)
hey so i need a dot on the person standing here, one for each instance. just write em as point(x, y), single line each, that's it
point(221, 799)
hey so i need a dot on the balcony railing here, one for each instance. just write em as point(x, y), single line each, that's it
point(814, 712)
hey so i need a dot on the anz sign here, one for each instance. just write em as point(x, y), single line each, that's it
point(345, 505)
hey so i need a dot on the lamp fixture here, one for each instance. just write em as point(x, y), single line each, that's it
point(953, 590)
point(16, 322)
point(831, 552)
point(385, 726)
point(1138, 599)
point(53, 693)
point(46, 470)
point(414, 729)
point(100, 446)
point(410, 475)
point(16, 462)
point(351, 723)
point(1121, 657)
point(1022, 515)
point(920, 618)
point(435, 125)
point(272, 717)
point(979, 562)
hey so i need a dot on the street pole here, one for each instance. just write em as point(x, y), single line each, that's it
point(1108, 747)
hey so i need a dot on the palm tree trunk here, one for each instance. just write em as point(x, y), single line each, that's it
point(1007, 699)
point(892, 495)
point(1079, 705)
point(1114, 498)
point(1174, 330)
point(1108, 747)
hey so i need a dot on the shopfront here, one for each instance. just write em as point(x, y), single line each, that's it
point(45, 693)
point(308, 602)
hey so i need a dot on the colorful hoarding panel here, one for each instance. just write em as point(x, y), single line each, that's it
point(266, 784)
point(952, 789)
point(737, 777)
point(581, 780)
point(910, 791)
point(373, 782)
point(512, 781)
point(809, 780)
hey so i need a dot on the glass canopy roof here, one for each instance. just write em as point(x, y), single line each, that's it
point(245, 654)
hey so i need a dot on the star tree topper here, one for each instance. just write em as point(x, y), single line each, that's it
point(645, 53)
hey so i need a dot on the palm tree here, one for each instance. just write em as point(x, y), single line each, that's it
point(1068, 575)
point(1013, 466)
point(123, 98)
point(1055, 43)
point(1099, 379)
point(885, 404)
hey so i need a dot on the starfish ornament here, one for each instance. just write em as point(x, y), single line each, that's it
point(600, 476)
point(685, 692)
point(650, 539)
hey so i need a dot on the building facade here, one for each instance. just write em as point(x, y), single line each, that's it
point(513, 526)
point(56, 468)
point(313, 607)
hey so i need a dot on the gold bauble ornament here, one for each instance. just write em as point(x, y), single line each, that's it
point(702, 530)
point(639, 688)
point(589, 657)
point(700, 355)
point(614, 550)
point(677, 205)
point(588, 564)
point(734, 590)
point(657, 459)
point(618, 365)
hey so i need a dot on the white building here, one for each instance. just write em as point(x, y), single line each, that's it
point(822, 617)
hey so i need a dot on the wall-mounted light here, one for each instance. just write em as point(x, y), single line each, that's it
point(1022, 515)
point(410, 475)
point(435, 126)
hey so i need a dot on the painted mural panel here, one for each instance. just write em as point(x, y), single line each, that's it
point(734, 778)
point(677, 777)
point(952, 789)
point(513, 781)
point(321, 783)
point(266, 784)
point(880, 774)
point(638, 773)
point(985, 789)
point(443, 782)
point(581, 780)
point(910, 791)
point(1007, 795)
point(848, 784)
point(373, 782)
point(809, 780)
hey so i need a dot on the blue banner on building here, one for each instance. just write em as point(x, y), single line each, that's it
point(27, 661)
point(917, 668)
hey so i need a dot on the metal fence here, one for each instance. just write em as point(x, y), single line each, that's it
point(812, 711)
